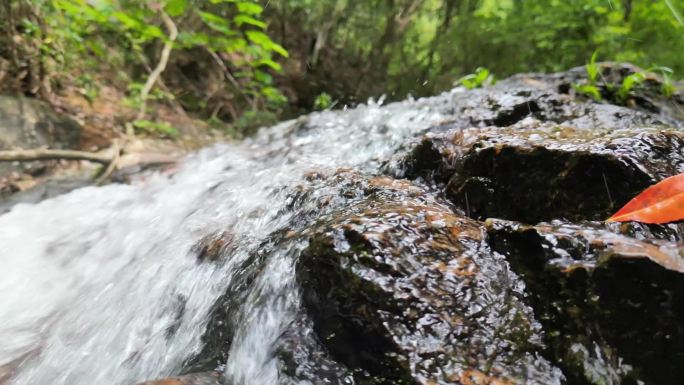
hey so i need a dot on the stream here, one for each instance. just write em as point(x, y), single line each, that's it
point(95, 280)
point(418, 242)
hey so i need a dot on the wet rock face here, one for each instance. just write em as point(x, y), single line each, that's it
point(208, 378)
point(540, 173)
point(611, 305)
point(402, 279)
point(406, 292)
point(552, 98)
point(533, 177)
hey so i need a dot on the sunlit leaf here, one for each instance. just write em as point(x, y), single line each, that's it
point(269, 63)
point(249, 8)
point(245, 19)
point(176, 7)
point(660, 203)
point(263, 40)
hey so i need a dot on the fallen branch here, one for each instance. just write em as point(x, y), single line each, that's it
point(161, 66)
point(112, 159)
point(113, 163)
point(43, 154)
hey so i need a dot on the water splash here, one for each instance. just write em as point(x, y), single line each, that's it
point(100, 285)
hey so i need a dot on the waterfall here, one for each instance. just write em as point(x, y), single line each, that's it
point(101, 285)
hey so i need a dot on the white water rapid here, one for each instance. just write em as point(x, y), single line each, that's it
point(99, 286)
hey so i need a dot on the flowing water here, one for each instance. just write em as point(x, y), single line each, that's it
point(100, 286)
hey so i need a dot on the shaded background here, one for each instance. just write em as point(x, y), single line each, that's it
point(238, 64)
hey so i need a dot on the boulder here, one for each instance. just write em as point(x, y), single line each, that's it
point(552, 98)
point(402, 291)
point(536, 172)
point(29, 123)
point(208, 378)
point(611, 305)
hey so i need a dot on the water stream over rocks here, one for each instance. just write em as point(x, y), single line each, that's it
point(354, 247)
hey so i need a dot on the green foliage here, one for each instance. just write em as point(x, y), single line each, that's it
point(482, 77)
point(628, 84)
point(589, 90)
point(229, 55)
point(667, 87)
point(593, 70)
point(84, 41)
point(323, 101)
point(156, 128)
point(248, 122)
point(422, 46)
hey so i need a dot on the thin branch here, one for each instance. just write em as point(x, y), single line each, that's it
point(44, 154)
point(230, 77)
point(161, 66)
point(113, 164)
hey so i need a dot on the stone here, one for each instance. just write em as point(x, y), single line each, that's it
point(403, 291)
point(29, 123)
point(208, 378)
point(611, 304)
point(535, 172)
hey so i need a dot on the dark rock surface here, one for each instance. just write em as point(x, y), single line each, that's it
point(402, 291)
point(542, 172)
point(208, 378)
point(403, 279)
point(42, 191)
point(611, 305)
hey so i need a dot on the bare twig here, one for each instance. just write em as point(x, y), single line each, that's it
point(113, 163)
point(176, 105)
point(161, 66)
point(45, 154)
point(230, 77)
point(112, 158)
point(324, 31)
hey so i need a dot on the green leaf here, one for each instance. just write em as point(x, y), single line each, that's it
point(151, 127)
point(588, 90)
point(273, 95)
point(592, 68)
point(628, 83)
point(216, 22)
point(263, 77)
point(249, 8)
point(176, 7)
point(269, 63)
point(245, 19)
point(126, 20)
point(262, 39)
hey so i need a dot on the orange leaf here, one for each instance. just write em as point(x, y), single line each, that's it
point(661, 203)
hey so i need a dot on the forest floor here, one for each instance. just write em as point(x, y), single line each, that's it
point(105, 123)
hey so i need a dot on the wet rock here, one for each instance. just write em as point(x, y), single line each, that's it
point(398, 286)
point(649, 96)
point(551, 98)
point(611, 305)
point(41, 191)
point(222, 323)
point(402, 291)
point(304, 360)
point(539, 175)
point(29, 123)
point(543, 171)
point(208, 378)
point(213, 246)
point(299, 354)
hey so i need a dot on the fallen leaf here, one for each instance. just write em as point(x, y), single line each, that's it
point(661, 203)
